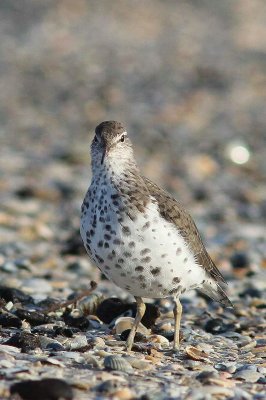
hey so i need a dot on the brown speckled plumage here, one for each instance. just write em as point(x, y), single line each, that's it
point(138, 234)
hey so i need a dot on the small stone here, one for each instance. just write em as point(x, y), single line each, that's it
point(205, 377)
point(14, 295)
point(76, 321)
point(248, 375)
point(36, 285)
point(110, 309)
point(217, 326)
point(24, 340)
point(47, 343)
point(49, 388)
point(8, 320)
point(160, 340)
point(138, 364)
point(228, 367)
point(139, 337)
point(97, 342)
point(35, 318)
point(124, 394)
point(240, 260)
point(250, 292)
point(90, 360)
point(151, 314)
point(108, 387)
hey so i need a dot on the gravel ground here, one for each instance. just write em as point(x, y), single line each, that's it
point(188, 80)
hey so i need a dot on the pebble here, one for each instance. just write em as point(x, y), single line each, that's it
point(9, 320)
point(97, 342)
point(139, 337)
point(217, 326)
point(228, 367)
point(124, 394)
point(108, 387)
point(74, 319)
point(24, 340)
point(248, 375)
point(91, 360)
point(159, 340)
point(138, 364)
point(240, 260)
point(47, 343)
point(44, 389)
point(110, 309)
point(33, 317)
point(14, 295)
point(36, 285)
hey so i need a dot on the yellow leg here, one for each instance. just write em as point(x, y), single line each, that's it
point(177, 315)
point(139, 314)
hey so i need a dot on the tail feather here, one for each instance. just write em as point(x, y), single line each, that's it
point(215, 292)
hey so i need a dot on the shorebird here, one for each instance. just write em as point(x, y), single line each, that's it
point(139, 236)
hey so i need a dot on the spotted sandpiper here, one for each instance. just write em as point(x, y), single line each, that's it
point(139, 236)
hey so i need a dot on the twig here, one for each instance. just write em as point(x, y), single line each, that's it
point(64, 304)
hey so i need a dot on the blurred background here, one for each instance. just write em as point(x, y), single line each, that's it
point(187, 78)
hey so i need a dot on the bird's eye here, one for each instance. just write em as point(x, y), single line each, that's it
point(122, 139)
point(96, 139)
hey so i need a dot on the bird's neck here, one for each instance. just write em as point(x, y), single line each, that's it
point(115, 171)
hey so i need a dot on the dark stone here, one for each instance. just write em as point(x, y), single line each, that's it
point(25, 192)
point(167, 334)
point(73, 245)
point(45, 389)
point(108, 386)
point(8, 320)
point(48, 302)
point(54, 347)
point(78, 322)
point(24, 341)
point(64, 331)
point(139, 337)
point(151, 314)
point(111, 308)
point(206, 376)
point(35, 318)
point(250, 292)
point(217, 326)
point(200, 194)
point(14, 295)
point(240, 260)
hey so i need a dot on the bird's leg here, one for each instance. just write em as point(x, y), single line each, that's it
point(177, 315)
point(139, 314)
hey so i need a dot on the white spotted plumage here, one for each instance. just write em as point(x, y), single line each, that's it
point(147, 257)
point(137, 234)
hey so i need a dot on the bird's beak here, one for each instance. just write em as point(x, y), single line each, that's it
point(105, 152)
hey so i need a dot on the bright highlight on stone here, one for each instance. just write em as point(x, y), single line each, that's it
point(239, 154)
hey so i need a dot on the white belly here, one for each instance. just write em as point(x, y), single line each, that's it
point(147, 256)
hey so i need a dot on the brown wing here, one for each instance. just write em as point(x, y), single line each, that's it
point(174, 212)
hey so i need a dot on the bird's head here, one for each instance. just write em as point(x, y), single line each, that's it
point(110, 144)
